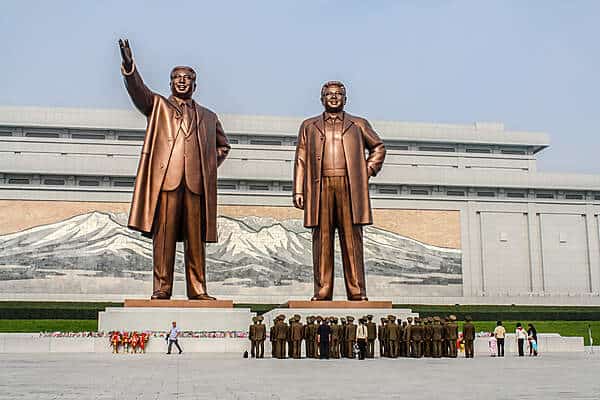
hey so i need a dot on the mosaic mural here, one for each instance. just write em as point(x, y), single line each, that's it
point(95, 253)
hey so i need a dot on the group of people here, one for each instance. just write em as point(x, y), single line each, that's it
point(432, 337)
point(128, 342)
point(496, 341)
point(330, 337)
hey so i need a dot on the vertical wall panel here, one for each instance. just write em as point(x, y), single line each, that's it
point(506, 258)
point(565, 253)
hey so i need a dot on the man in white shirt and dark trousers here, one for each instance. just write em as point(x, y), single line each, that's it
point(499, 333)
point(361, 338)
point(172, 338)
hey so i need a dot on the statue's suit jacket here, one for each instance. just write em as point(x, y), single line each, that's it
point(164, 122)
point(357, 135)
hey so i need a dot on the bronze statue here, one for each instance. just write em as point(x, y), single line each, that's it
point(331, 184)
point(175, 195)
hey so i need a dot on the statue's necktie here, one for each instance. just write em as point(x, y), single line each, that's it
point(187, 117)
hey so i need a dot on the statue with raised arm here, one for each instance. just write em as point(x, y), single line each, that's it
point(331, 185)
point(175, 194)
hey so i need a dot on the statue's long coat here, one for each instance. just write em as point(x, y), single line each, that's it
point(357, 137)
point(164, 121)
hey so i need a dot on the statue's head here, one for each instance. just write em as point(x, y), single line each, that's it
point(333, 96)
point(183, 82)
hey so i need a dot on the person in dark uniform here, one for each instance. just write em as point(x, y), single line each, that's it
point(452, 336)
point(371, 336)
point(427, 332)
point(468, 336)
point(310, 336)
point(260, 334)
point(343, 337)
point(381, 338)
point(334, 345)
point(350, 336)
point(252, 337)
point(392, 336)
point(319, 320)
point(272, 339)
point(409, 347)
point(416, 338)
point(401, 343)
point(281, 334)
point(324, 338)
point(296, 337)
point(290, 348)
point(445, 343)
point(437, 333)
point(306, 332)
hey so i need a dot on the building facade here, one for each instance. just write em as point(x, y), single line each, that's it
point(461, 214)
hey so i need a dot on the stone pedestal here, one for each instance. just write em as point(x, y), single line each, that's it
point(215, 325)
point(179, 303)
point(335, 304)
point(188, 319)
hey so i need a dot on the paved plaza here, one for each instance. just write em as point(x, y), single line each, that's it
point(216, 376)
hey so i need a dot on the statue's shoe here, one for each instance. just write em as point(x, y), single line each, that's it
point(358, 298)
point(202, 297)
point(160, 296)
point(317, 298)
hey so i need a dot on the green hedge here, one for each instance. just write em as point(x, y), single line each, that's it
point(509, 312)
point(47, 325)
point(257, 308)
point(52, 310)
point(22, 310)
point(521, 315)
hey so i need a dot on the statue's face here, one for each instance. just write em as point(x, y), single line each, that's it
point(183, 83)
point(334, 99)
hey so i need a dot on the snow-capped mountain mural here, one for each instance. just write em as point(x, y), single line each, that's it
point(253, 252)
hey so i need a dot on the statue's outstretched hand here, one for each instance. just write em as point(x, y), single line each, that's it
point(126, 54)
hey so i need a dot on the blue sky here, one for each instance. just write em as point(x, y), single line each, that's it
point(533, 65)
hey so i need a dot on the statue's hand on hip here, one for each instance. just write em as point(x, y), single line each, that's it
point(299, 201)
point(370, 172)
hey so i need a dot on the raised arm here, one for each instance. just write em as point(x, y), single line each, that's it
point(376, 149)
point(223, 146)
point(142, 97)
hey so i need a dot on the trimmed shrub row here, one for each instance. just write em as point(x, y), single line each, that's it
point(39, 310)
point(518, 315)
point(89, 311)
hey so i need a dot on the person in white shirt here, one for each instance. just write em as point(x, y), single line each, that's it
point(521, 335)
point(499, 333)
point(492, 345)
point(361, 338)
point(172, 338)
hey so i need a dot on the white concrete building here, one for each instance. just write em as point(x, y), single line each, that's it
point(524, 236)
